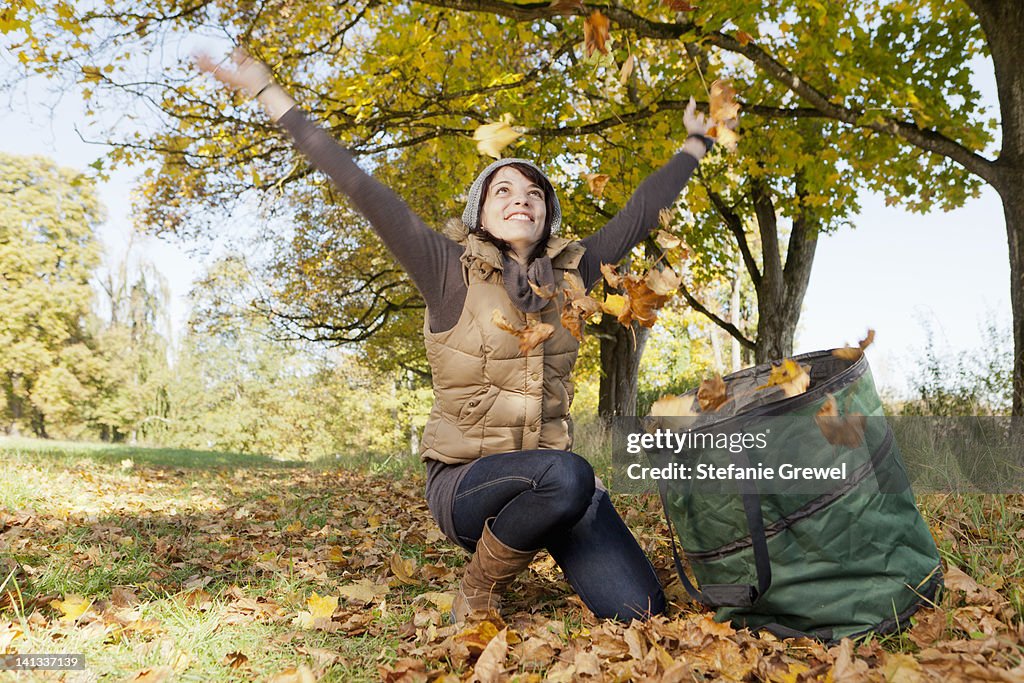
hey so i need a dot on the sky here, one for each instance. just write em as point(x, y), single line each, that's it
point(895, 272)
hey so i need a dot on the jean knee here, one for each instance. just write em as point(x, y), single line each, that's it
point(569, 482)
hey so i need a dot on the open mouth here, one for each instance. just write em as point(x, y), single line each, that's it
point(519, 216)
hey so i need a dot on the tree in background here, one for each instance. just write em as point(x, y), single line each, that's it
point(47, 254)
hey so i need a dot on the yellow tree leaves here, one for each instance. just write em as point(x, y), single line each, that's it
point(492, 138)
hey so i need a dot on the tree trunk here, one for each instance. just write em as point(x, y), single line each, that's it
point(1003, 24)
point(781, 289)
point(620, 367)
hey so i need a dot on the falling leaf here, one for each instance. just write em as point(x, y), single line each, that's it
point(723, 103)
point(530, 336)
point(627, 69)
point(744, 38)
point(71, 607)
point(610, 275)
point(596, 182)
point(789, 376)
point(679, 5)
point(614, 304)
point(235, 660)
point(712, 393)
point(595, 33)
point(403, 569)
point(667, 240)
point(840, 431)
point(663, 282)
point(363, 590)
point(643, 303)
point(672, 405)
point(544, 292)
point(492, 138)
point(853, 354)
point(491, 664)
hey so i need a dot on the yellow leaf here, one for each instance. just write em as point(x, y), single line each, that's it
point(790, 377)
point(322, 607)
point(71, 607)
point(626, 70)
point(363, 590)
point(852, 354)
point(667, 240)
point(492, 138)
point(614, 304)
point(442, 601)
point(663, 282)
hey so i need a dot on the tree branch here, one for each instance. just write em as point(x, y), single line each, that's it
point(735, 225)
point(727, 326)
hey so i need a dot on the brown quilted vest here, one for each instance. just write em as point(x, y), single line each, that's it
point(488, 396)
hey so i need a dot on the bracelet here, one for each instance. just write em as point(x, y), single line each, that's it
point(709, 142)
point(263, 89)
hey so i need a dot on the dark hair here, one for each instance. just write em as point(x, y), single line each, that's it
point(535, 177)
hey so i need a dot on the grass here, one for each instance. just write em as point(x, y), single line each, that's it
point(219, 553)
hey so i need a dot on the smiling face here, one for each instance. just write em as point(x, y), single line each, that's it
point(514, 210)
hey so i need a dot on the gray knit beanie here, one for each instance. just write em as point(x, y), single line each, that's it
point(472, 212)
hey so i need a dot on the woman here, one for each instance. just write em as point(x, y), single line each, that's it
point(501, 481)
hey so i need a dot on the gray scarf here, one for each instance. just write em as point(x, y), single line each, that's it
point(517, 282)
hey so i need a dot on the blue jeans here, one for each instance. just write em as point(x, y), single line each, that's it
point(548, 499)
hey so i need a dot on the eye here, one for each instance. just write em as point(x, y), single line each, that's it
point(500, 190)
point(537, 193)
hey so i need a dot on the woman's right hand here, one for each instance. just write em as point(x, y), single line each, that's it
point(250, 76)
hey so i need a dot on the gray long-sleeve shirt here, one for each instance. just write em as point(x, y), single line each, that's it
point(432, 260)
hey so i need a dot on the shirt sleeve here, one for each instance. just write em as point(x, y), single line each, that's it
point(631, 225)
point(430, 258)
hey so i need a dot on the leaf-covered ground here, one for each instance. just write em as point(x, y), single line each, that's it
point(181, 566)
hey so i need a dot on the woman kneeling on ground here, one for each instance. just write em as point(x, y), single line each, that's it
point(501, 480)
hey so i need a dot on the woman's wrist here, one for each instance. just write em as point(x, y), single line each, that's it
point(697, 145)
point(274, 100)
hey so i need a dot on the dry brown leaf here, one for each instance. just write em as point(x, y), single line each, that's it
point(403, 569)
point(674, 406)
point(405, 670)
point(723, 103)
point(595, 33)
point(789, 376)
point(491, 664)
point(663, 282)
point(596, 182)
point(492, 138)
point(611, 275)
point(235, 660)
point(840, 431)
point(476, 636)
point(744, 38)
point(901, 668)
point(712, 393)
point(627, 69)
point(854, 353)
point(443, 601)
point(679, 5)
point(157, 674)
point(578, 306)
point(544, 292)
point(363, 590)
point(531, 336)
point(667, 240)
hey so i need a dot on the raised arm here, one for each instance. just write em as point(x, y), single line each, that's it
point(658, 191)
point(430, 258)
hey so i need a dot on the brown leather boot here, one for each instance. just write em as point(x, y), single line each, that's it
point(491, 570)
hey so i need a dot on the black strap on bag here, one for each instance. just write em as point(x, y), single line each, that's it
point(731, 594)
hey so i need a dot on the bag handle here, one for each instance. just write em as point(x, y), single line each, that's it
point(731, 594)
